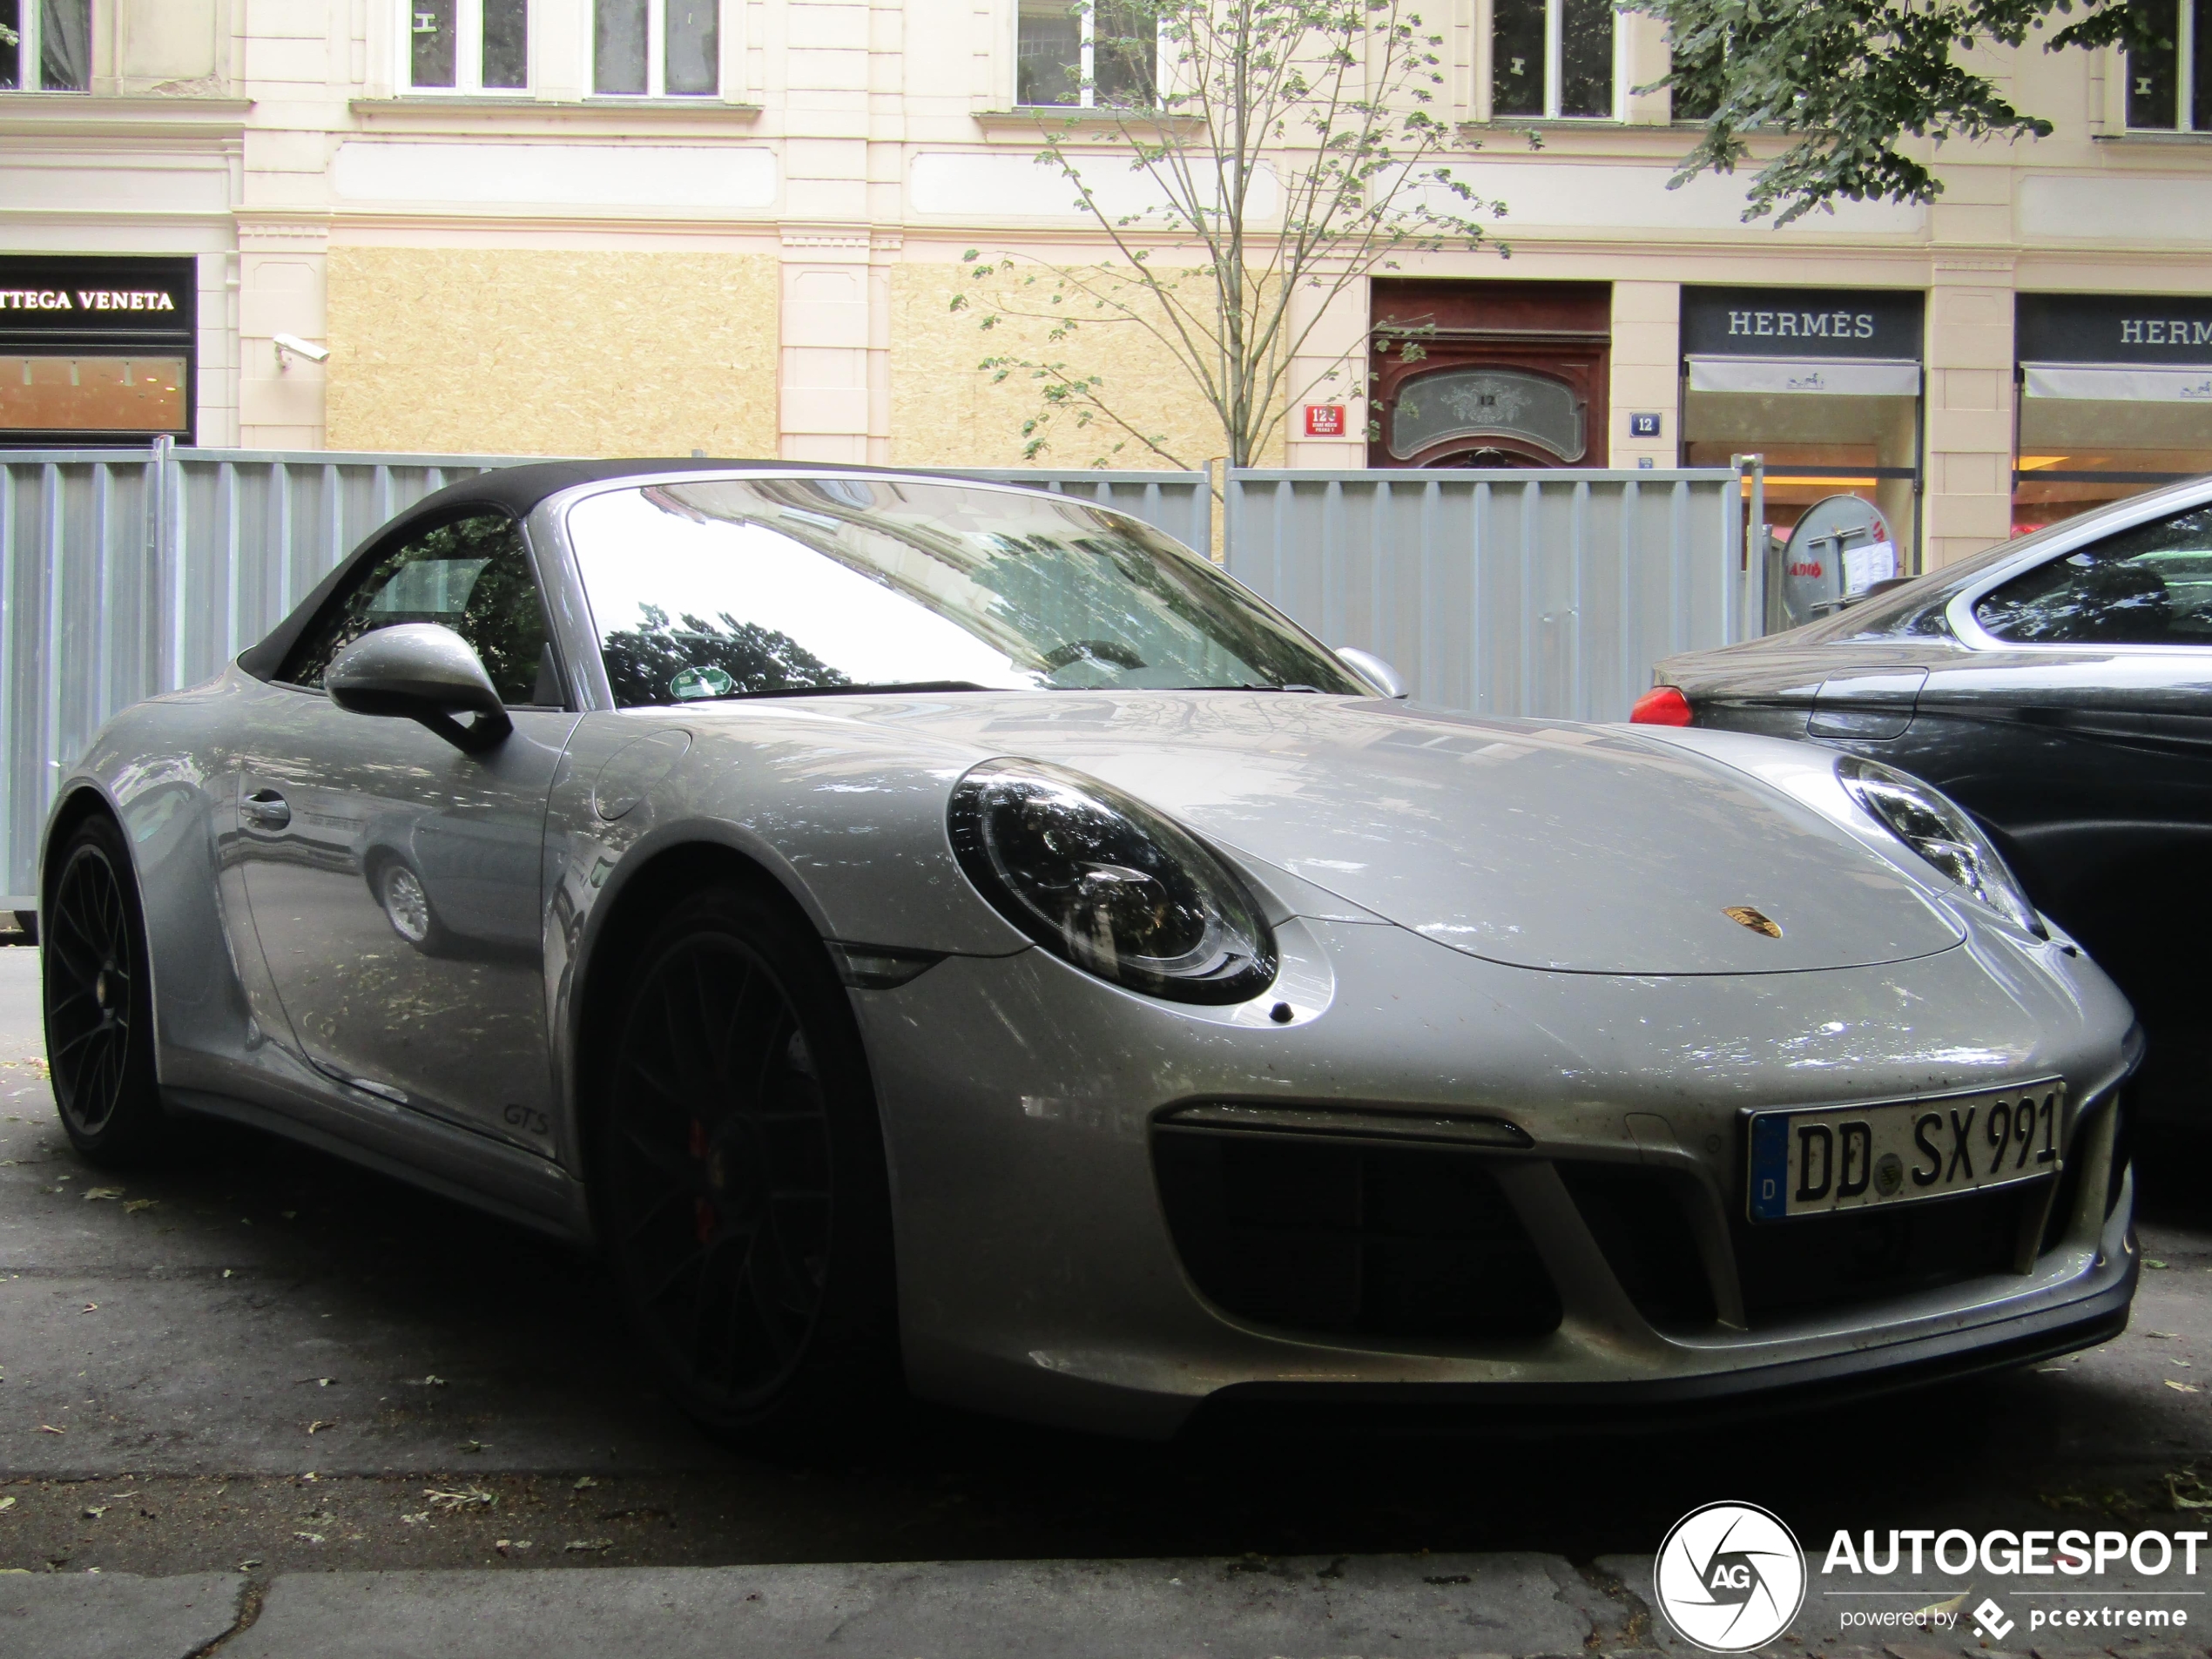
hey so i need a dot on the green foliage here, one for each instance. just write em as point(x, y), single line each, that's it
point(472, 576)
point(644, 663)
point(1862, 90)
point(1284, 152)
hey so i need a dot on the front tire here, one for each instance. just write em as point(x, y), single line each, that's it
point(740, 1177)
point(98, 1000)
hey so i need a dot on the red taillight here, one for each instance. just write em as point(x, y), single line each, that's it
point(1661, 705)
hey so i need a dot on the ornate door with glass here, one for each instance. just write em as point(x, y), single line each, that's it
point(1490, 373)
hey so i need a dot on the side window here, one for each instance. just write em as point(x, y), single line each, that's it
point(2151, 585)
point(473, 576)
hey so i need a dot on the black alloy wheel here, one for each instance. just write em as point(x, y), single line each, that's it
point(98, 1000)
point(741, 1177)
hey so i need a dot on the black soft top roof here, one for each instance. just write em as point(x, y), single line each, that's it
point(514, 490)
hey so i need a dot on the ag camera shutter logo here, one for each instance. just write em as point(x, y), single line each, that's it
point(1729, 1577)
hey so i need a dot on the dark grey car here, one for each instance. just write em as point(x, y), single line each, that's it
point(2060, 687)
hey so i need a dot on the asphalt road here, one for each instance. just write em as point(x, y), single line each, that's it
point(265, 1358)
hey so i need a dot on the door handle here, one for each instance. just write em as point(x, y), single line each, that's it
point(265, 809)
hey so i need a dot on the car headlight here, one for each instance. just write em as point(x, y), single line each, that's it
point(1109, 884)
point(1935, 828)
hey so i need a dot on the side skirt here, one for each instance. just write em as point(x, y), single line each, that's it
point(506, 1181)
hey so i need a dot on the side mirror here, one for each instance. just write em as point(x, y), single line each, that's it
point(1372, 669)
point(425, 672)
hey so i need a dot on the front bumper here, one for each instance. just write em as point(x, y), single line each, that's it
point(1040, 1276)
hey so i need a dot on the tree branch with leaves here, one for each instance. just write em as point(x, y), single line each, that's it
point(1242, 164)
point(1860, 92)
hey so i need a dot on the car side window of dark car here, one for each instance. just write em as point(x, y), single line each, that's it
point(473, 575)
point(2148, 586)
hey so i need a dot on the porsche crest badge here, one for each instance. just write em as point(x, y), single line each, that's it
point(1758, 921)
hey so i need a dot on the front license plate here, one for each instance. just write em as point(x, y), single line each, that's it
point(1850, 1157)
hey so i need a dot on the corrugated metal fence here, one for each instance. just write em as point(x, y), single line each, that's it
point(1537, 593)
point(127, 572)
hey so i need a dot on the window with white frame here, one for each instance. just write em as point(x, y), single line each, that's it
point(467, 45)
point(656, 48)
point(2169, 87)
point(52, 49)
point(1552, 58)
point(1091, 55)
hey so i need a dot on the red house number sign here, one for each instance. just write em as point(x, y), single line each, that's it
point(1324, 420)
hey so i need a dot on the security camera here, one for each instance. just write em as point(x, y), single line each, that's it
point(287, 345)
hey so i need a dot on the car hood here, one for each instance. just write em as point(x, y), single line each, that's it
point(1578, 848)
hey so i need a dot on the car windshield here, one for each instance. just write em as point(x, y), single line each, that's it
point(766, 587)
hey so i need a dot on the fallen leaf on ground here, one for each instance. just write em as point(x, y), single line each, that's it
point(103, 1192)
point(2045, 1371)
point(89, 1307)
point(461, 1498)
point(2160, 1336)
point(93, 1510)
point(470, 1445)
point(132, 1206)
point(311, 1537)
point(589, 1543)
point(2186, 1388)
point(226, 1272)
point(7, 1503)
point(48, 1428)
point(321, 1423)
point(582, 1481)
point(251, 1560)
point(2152, 1262)
point(434, 1382)
point(2188, 1490)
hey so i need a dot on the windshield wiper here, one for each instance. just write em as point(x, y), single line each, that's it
point(887, 687)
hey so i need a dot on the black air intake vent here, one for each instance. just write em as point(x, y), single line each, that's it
point(1639, 1220)
point(1414, 1244)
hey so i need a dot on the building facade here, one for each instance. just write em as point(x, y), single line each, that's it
point(734, 226)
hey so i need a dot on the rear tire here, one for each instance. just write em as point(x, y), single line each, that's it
point(99, 998)
point(739, 1178)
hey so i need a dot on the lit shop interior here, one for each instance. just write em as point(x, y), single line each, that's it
point(2114, 398)
point(96, 350)
point(1825, 384)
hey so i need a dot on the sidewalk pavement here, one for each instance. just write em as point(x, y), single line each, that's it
point(1500, 1606)
point(1408, 1607)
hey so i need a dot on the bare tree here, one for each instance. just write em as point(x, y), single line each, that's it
point(1245, 162)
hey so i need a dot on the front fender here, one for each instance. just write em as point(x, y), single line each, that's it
point(848, 821)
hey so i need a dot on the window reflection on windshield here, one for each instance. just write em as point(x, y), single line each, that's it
point(761, 587)
point(2149, 585)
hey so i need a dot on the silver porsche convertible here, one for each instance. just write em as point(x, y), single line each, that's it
point(940, 937)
